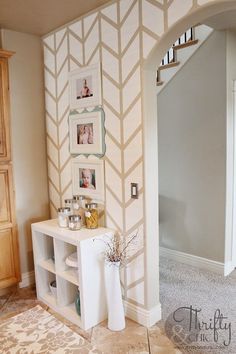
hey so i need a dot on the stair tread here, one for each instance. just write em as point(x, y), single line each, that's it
point(184, 45)
point(170, 65)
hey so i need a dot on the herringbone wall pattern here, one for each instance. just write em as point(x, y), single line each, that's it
point(120, 35)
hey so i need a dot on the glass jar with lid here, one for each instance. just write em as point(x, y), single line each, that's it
point(69, 204)
point(79, 202)
point(91, 215)
point(74, 222)
point(62, 216)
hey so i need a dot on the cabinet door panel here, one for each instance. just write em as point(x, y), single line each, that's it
point(6, 255)
point(5, 213)
point(4, 112)
point(6, 196)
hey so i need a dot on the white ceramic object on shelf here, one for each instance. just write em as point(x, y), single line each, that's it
point(53, 288)
point(72, 260)
point(116, 315)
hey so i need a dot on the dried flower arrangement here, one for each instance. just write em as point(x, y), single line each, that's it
point(117, 248)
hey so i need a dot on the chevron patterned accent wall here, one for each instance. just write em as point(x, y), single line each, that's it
point(120, 35)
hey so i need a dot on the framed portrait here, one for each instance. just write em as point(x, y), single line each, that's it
point(85, 87)
point(88, 177)
point(86, 131)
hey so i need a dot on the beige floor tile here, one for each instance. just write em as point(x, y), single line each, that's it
point(85, 334)
point(133, 339)
point(159, 342)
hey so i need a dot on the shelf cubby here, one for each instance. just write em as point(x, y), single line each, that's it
point(45, 248)
point(45, 278)
point(62, 251)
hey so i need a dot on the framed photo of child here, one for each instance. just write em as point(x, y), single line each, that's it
point(88, 177)
point(85, 87)
point(86, 131)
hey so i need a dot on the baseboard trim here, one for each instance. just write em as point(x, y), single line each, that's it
point(28, 279)
point(144, 317)
point(189, 259)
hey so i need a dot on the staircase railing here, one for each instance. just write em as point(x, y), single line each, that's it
point(171, 57)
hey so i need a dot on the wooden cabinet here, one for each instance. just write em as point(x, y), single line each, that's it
point(9, 252)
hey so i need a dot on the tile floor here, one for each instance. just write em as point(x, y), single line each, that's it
point(134, 339)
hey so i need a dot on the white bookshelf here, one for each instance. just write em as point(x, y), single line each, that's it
point(51, 246)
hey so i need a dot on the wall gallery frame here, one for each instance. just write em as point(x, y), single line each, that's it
point(85, 87)
point(86, 131)
point(88, 177)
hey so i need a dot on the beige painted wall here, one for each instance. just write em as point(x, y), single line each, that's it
point(192, 154)
point(28, 136)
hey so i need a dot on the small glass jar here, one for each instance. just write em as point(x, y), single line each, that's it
point(79, 202)
point(91, 216)
point(69, 203)
point(74, 222)
point(76, 203)
point(62, 216)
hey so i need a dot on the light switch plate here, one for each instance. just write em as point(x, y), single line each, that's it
point(134, 190)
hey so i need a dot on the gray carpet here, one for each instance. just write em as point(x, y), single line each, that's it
point(185, 286)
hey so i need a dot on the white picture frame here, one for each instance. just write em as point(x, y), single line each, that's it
point(86, 132)
point(88, 177)
point(85, 87)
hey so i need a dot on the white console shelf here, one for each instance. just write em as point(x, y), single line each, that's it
point(51, 246)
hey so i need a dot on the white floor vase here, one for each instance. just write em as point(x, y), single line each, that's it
point(116, 316)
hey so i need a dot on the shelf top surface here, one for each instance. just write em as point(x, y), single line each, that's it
point(51, 228)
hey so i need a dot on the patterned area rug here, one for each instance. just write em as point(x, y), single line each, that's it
point(36, 331)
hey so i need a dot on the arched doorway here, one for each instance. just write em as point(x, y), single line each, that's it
point(151, 150)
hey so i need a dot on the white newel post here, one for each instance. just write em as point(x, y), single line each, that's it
point(116, 315)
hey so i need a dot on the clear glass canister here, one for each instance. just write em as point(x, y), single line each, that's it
point(79, 202)
point(74, 222)
point(69, 203)
point(62, 216)
point(91, 215)
point(76, 203)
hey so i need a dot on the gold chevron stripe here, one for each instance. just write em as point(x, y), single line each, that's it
point(113, 140)
point(108, 20)
point(75, 61)
point(91, 28)
point(51, 182)
point(114, 196)
point(150, 33)
point(114, 82)
point(128, 13)
point(132, 104)
point(131, 73)
point(130, 170)
point(134, 228)
point(73, 34)
point(93, 54)
point(52, 162)
point(131, 201)
point(156, 4)
point(112, 165)
point(46, 68)
point(61, 41)
point(114, 222)
point(65, 189)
